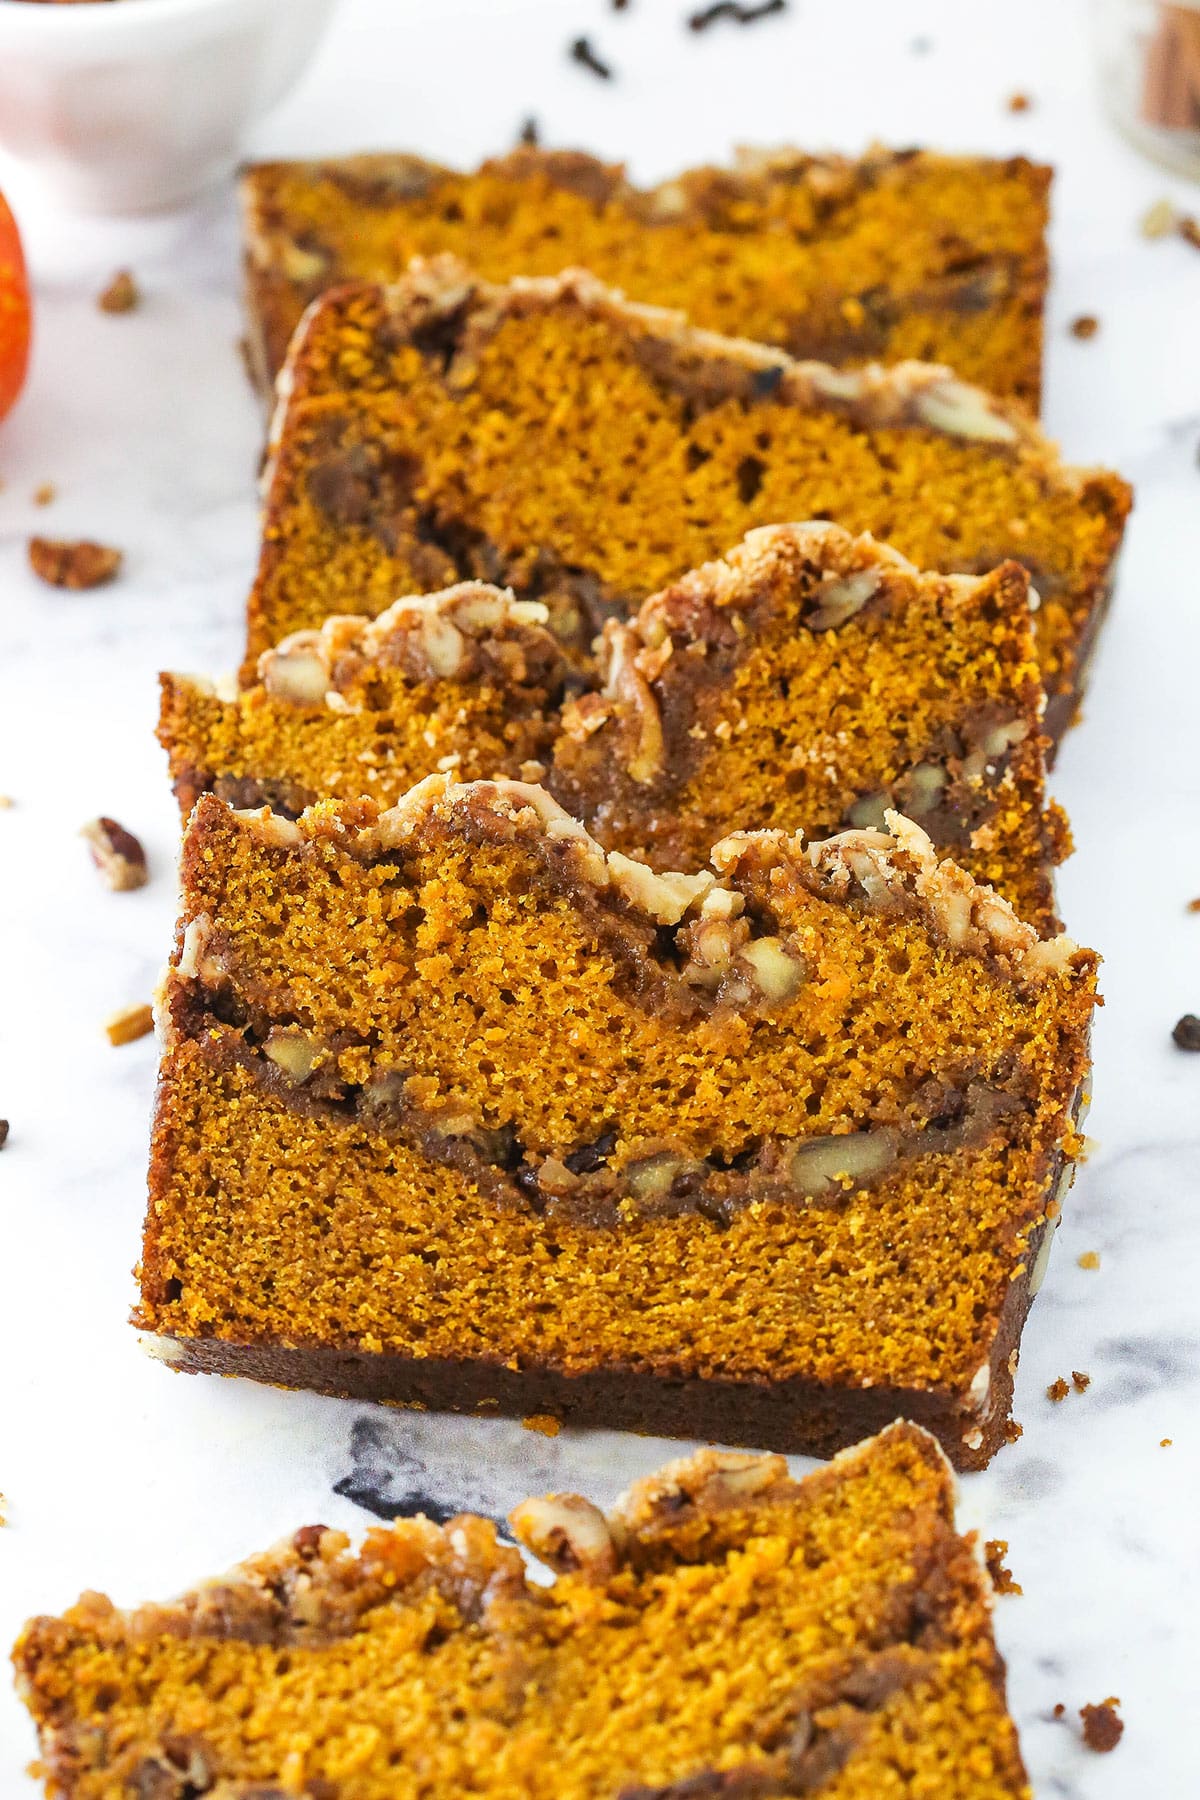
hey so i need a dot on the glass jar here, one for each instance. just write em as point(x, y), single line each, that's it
point(1149, 54)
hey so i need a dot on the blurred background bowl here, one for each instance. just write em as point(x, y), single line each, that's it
point(132, 105)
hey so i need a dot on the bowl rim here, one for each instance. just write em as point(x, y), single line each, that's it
point(114, 22)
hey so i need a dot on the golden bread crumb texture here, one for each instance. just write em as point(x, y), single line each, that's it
point(897, 255)
point(588, 453)
point(400, 1042)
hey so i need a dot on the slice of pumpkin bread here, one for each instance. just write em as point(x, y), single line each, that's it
point(897, 254)
point(554, 438)
point(736, 1633)
point(458, 1110)
point(468, 679)
point(810, 679)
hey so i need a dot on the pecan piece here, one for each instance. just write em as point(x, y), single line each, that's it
point(73, 563)
point(121, 295)
point(117, 854)
point(131, 1023)
point(567, 1533)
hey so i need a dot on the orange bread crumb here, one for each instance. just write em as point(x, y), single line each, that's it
point(458, 1108)
point(723, 1631)
point(902, 253)
point(587, 452)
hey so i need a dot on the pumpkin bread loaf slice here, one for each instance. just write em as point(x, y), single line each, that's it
point(458, 1110)
point(551, 437)
point(468, 679)
point(810, 679)
point(724, 1630)
point(897, 254)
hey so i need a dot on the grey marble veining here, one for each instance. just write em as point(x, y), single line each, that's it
point(122, 1476)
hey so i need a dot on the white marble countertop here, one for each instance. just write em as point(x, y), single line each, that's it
point(123, 1476)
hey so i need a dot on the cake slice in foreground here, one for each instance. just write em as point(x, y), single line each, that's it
point(468, 679)
point(898, 253)
point(549, 436)
point(724, 1631)
point(808, 679)
point(458, 1110)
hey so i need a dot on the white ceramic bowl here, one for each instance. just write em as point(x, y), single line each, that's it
point(129, 105)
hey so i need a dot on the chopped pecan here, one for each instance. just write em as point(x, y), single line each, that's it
point(75, 564)
point(567, 1533)
point(121, 295)
point(131, 1023)
point(117, 854)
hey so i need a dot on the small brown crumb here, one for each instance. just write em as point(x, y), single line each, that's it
point(1058, 1390)
point(1158, 220)
point(131, 1023)
point(1013, 1429)
point(3, 1133)
point(582, 52)
point(1194, 905)
point(994, 1552)
point(1101, 1727)
point(736, 12)
point(1019, 103)
point(78, 564)
point(546, 1423)
point(1189, 231)
point(117, 854)
point(42, 496)
point(1085, 326)
point(121, 295)
point(1187, 1032)
point(1080, 1382)
point(1060, 1711)
point(529, 134)
point(1090, 1259)
point(1165, 1443)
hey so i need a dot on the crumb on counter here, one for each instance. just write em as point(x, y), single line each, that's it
point(1085, 326)
point(1186, 1034)
point(3, 1133)
point(45, 494)
point(121, 295)
point(994, 1552)
point(1089, 1259)
point(1102, 1728)
point(1157, 220)
point(1080, 1381)
point(131, 1023)
point(1165, 1443)
point(583, 53)
point(1189, 231)
point(75, 564)
point(546, 1423)
point(1019, 103)
point(736, 11)
point(1058, 1390)
point(1194, 905)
